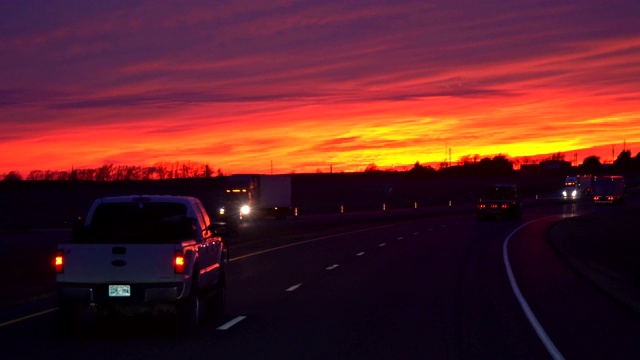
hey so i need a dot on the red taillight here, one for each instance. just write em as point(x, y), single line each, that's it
point(178, 262)
point(482, 206)
point(504, 206)
point(610, 198)
point(58, 262)
point(595, 198)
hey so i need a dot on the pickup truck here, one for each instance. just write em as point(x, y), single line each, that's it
point(138, 254)
point(501, 201)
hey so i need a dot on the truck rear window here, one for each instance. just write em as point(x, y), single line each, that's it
point(138, 223)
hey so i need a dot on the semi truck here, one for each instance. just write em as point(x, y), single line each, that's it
point(608, 189)
point(576, 186)
point(251, 196)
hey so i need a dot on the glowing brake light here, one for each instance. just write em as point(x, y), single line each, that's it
point(504, 206)
point(58, 262)
point(178, 262)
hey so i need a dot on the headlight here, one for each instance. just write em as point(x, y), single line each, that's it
point(245, 210)
point(574, 193)
point(221, 211)
point(564, 192)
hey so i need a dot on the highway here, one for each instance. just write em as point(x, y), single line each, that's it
point(437, 287)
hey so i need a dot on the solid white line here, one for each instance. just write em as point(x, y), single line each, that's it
point(228, 325)
point(333, 267)
point(294, 287)
point(551, 348)
point(360, 253)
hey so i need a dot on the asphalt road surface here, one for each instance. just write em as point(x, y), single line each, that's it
point(444, 287)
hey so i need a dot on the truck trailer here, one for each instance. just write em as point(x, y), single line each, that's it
point(608, 190)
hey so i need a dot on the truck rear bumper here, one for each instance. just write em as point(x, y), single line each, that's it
point(140, 293)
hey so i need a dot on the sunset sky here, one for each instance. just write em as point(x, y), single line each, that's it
point(309, 85)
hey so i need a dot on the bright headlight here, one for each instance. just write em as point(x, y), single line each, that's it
point(221, 211)
point(245, 210)
point(564, 192)
point(574, 193)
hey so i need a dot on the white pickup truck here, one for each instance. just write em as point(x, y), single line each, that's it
point(137, 254)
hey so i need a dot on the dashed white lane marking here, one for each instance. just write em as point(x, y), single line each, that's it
point(416, 233)
point(383, 244)
point(400, 238)
point(360, 253)
point(551, 348)
point(228, 325)
point(294, 287)
point(311, 240)
point(333, 267)
point(431, 229)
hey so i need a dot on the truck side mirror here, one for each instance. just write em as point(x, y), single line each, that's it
point(219, 228)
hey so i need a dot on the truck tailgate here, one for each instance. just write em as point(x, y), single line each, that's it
point(112, 263)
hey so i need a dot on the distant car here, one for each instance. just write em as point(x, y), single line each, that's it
point(501, 201)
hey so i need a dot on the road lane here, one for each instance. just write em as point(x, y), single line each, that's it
point(436, 289)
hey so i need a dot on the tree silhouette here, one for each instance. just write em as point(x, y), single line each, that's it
point(422, 171)
point(12, 176)
point(624, 163)
point(371, 168)
point(591, 166)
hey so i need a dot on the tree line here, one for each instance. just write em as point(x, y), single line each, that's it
point(111, 172)
point(499, 165)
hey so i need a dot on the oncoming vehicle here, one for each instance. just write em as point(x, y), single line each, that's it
point(501, 201)
point(142, 254)
point(570, 190)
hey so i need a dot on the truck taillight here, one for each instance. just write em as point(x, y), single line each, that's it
point(58, 262)
point(178, 262)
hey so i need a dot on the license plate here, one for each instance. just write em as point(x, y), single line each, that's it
point(119, 290)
